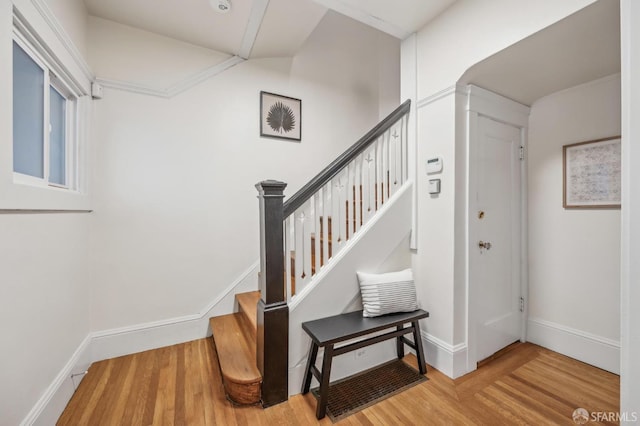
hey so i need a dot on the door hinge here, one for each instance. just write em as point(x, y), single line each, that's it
point(522, 304)
point(522, 153)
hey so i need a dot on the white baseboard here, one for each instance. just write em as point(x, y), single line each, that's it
point(106, 344)
point(57, 395)
point(586, 347)
point(450, 360)
point(141, 337)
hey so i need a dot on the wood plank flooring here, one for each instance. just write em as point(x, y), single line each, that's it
point(181, 385)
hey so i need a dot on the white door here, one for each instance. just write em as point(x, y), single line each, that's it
point(496, 252)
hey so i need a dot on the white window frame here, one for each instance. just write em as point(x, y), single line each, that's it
point(51, 80)
point(41, 32)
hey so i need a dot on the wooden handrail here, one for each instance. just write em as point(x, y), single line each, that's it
point(321, 179)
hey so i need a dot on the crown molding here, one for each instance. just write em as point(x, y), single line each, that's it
point(366, 18)
point(453, 89)
point(175, 89)
point(131, 87)
point(203, 75)
point(256, 17)
point(257, 14)
point(53, 23)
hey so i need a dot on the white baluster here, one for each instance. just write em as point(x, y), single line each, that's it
point(357, 192)
point(368, 184)
point(339, 208)
point(383, 166)
point(289, 244)
point(404, 147)
point(387, 167)
point(317, 204)
point(397, 160)
point(376, 174)
point(299, 251)
point(326, 212)
point(346, 198)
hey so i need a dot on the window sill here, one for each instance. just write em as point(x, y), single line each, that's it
point(20, 179)
point(25, 196)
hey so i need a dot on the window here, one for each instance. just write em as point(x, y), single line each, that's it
point(44, 117)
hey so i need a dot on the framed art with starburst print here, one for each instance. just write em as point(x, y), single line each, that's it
point(280, 116)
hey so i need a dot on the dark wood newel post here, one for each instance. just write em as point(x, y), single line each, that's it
point(273, 313)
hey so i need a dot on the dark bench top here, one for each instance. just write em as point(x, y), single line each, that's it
point(343, 327)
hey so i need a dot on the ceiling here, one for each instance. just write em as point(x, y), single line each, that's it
point(261, 28)
point(400, 18)
point(580, 48)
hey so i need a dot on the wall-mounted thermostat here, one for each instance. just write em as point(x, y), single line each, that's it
point(434, 165)
point(434, 186)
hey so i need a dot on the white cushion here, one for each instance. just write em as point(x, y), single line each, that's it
point(387, 293)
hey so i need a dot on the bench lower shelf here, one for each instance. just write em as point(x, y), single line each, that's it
point(357, 392)
point(327, 332)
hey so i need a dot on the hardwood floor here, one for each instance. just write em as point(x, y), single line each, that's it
point(181, 385)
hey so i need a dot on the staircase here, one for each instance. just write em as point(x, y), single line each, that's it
point(234, 337)
point(298, 239)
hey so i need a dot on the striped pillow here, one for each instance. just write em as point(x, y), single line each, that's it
point(387, 293)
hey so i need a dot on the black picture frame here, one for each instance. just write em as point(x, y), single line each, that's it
point(280, 117)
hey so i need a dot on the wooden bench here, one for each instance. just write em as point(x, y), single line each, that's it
point(327, 332)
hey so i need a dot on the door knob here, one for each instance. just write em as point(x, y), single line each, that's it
point(484, 245)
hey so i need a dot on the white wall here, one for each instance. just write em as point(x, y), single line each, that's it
point(176, 217)
point(470, 31)
point(435, 255)
point(44, 286)
point(114, 51)
point(466, 33)
point(45, 297)
point(574, 255)
point(630, 290)
point(72, 16)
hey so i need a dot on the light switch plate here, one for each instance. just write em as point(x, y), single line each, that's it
point(434, 186)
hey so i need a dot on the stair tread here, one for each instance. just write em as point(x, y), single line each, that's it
point(236, 349)
point(248, 302)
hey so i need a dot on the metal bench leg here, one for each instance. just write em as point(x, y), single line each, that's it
point(400, 343)
point(417, 338)
point(311, 361)
point(321, 409)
